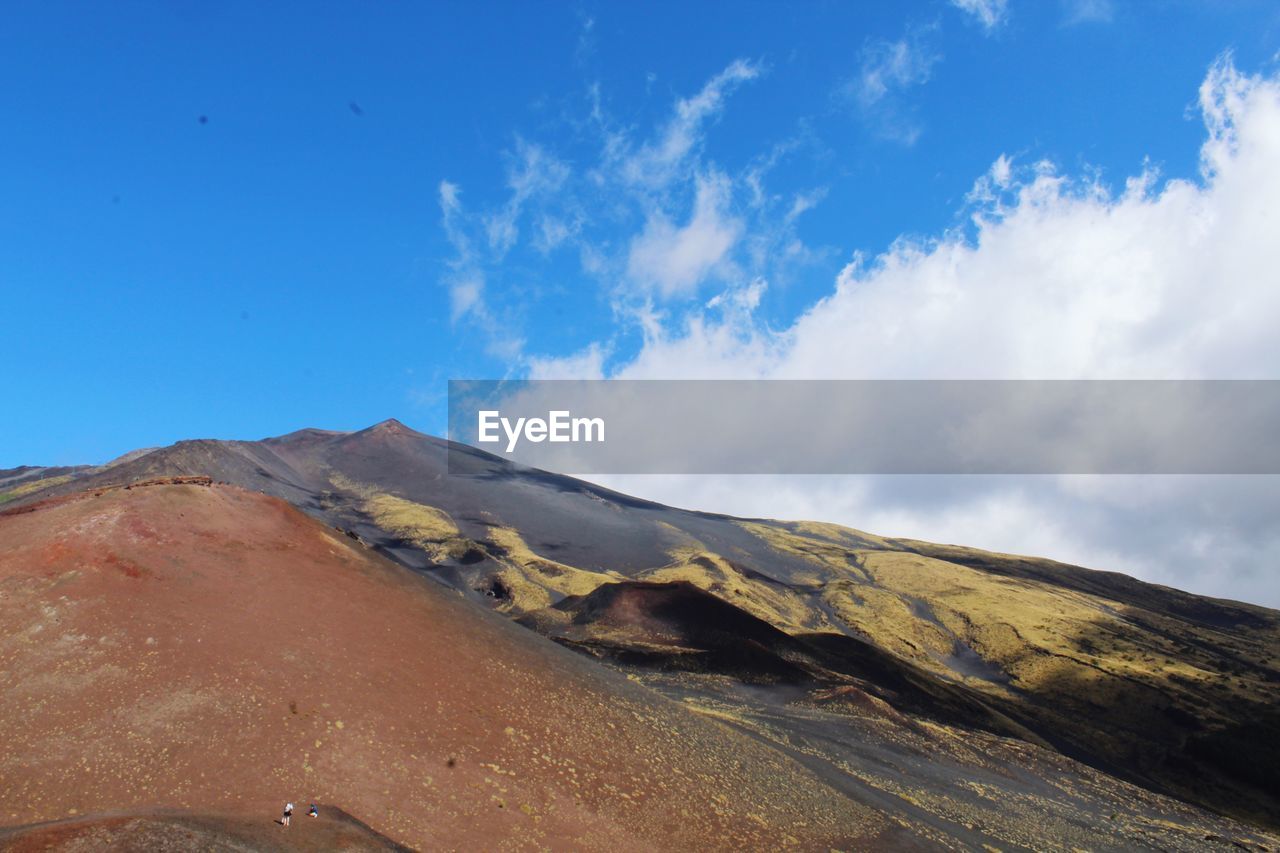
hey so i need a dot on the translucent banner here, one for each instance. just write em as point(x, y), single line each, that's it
point(871, 427)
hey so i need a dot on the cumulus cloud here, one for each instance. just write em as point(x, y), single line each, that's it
point(990, 14)
point(1054, 276)
point(1046, 275)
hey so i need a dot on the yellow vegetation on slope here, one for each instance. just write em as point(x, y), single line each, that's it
point(1051, 640)
point(427, 527)
point(33, 486)
point(531, 578)
point(774, 603)
point(1046, 637)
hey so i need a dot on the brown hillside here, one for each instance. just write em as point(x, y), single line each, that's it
point(206, 648)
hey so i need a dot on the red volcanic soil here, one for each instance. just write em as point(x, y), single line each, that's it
point(161, 830)
point(204, 648)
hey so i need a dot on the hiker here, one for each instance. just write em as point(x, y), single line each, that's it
point(288, 813)
point(311, 812)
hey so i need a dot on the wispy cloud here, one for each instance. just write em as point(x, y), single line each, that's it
point(990, 14)
point(677, 259)
point(655, 163)
point(1087, 11)
point(886, 71)
point(531, 172)
point(891, 66)
point(586, 39)
point(465, 279)
point(652, 219)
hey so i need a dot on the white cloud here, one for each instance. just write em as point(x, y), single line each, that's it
point(586, 364)
point(887, 69)
point(745, 299)
point(531, 172)
point(655, 163)
point(652, 218)
point(586, 39)
point(449, 196)
point(888, 66)
point(1087, 11)
point(465, 283)
point(990, 14)
point(1050, 276)
point(1002, 172)
point(675, 260)
point(465, 297)
point(465, 280)
point(1066, 278)
point(553, 231)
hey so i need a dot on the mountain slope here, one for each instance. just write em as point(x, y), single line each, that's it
point(1167, 689)
point(206, 648)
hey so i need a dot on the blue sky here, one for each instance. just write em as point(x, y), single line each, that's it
point(287, 262)
point(238, 220)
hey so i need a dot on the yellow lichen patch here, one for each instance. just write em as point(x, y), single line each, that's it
point(411, 520)
point(839, 534)
point(927, 609)
point(32, 487)
point(716, 711)
point(1020, 626)
point(977, 625)
point(1052, 640)
point(427, 527)
point(521, 594)
point(860, 600)
point(774, 603)
point(890, 619)
point(836, 559)
point(531, 578)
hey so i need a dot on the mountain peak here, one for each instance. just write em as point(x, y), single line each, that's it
point(390, 428)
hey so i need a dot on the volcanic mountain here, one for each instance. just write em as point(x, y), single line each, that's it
point(859, 687)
